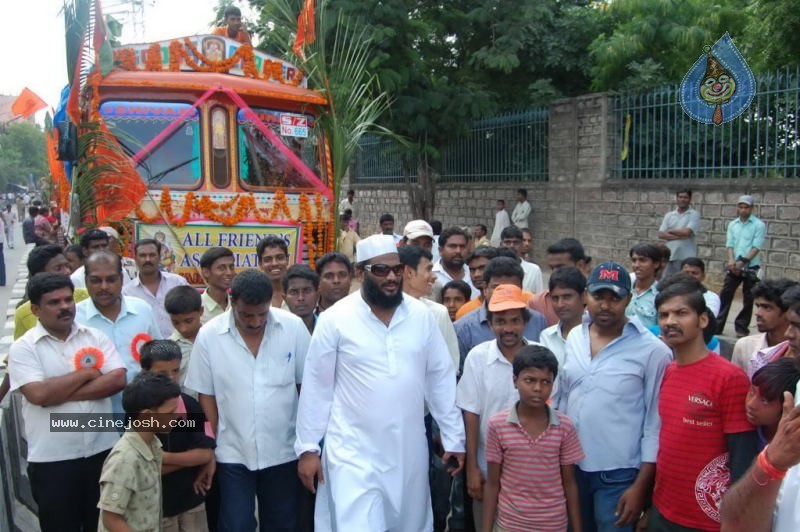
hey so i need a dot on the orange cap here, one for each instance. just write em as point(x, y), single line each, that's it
point(506, 297)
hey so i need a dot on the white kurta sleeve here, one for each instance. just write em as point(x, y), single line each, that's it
point(440, 392)
point(316, 394)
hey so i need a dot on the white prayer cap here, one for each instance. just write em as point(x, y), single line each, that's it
point(110, 231)
point(375, 245)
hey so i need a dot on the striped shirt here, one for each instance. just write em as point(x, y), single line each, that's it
point(531, 490)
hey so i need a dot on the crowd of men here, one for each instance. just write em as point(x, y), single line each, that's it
point(447, 391)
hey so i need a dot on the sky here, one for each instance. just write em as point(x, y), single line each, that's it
point(32, 41)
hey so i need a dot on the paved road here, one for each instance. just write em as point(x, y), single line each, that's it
point(13, 264)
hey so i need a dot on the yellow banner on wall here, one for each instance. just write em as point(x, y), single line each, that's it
point(182, 247)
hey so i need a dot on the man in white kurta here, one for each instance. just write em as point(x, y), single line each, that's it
point(371, 368)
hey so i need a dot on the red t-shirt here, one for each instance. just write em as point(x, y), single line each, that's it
point(699, 404)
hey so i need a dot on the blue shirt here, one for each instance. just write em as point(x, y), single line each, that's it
point(134, 317)
point(613, 396)
point(643, 305)
point(744, 236)
point(473, 329)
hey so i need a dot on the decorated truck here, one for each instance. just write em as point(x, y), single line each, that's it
point(197, 142)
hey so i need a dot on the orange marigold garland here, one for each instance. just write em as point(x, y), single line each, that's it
point(136, 345)
point(176, 53)
point(280, 206)
point(125, 58)
point(153, 61)
point(88, 357)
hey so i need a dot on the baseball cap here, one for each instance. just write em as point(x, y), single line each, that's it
point(610, 276)
point(749, 200)
point(417, 228)
point(506, 297)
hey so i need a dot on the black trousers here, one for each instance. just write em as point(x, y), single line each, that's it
point(67, 493)
point(748, 279)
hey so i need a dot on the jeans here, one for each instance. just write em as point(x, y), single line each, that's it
point(276, 488)
point(67, 492)
point(599, 493)
point(748, 279)
point(2, 266)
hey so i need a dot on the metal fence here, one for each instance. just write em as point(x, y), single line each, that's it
point(510, 147)
point(656, 139)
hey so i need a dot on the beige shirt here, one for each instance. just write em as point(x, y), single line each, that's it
point(130, 484)
point(211, 308)
point(746, 347)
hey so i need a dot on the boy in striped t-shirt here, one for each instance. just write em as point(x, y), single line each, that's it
point(531, 451)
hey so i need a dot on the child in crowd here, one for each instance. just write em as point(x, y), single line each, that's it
point(531, 450)
point(765, 399)
point(454, 295)
point(188, 455)
point(185, 309)
point(130, 483)
point(646, 259)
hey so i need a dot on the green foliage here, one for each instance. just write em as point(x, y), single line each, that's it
point(660, 37)
point(22, 152)
point(772, 34)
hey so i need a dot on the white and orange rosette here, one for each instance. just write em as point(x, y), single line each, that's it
point(136, 345)
point(88, 357)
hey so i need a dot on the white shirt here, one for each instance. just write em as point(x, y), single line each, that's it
point(553, 340)
point(486, 387)
point(256, 396)
point(501, 221)
point(37, 356)
point(712, 301)
point(442, 317)
point(364, 390)
point(519, 216)
point(167, 282)
point(787, 505)
point(345, 204)
point(443, 277)
point(532, 282)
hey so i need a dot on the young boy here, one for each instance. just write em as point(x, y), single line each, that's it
point(455, 295)
point(531, 450)
point(646, 259)
point(188, 456)
point(130, 484)
point(486, 387)
point(185, 308)
point(764, 404)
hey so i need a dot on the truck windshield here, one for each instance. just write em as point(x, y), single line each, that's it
point(175, 162)
point(262, 165)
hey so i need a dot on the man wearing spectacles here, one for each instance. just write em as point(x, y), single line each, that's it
point(372, 366)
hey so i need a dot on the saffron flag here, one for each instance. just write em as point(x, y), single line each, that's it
point(306, 30)
point(27, 103)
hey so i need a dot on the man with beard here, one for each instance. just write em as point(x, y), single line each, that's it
point(151, 284)
point(216, 265)
point(757, 350)
point(609, 387)
point(371, 368)
point(121, 318)
point(705, 442)
point(335, 275)
point(48, 367)
point(451, 266)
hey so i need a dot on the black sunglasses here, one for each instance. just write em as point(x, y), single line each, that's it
point(382, 270)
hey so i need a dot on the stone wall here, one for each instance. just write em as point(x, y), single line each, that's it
point(608, 215)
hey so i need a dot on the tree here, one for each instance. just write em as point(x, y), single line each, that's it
point(772, 36)
point(656, 42)
point(22, 152)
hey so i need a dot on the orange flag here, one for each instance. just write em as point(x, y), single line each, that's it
point(27, 103)
point(306, 30)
